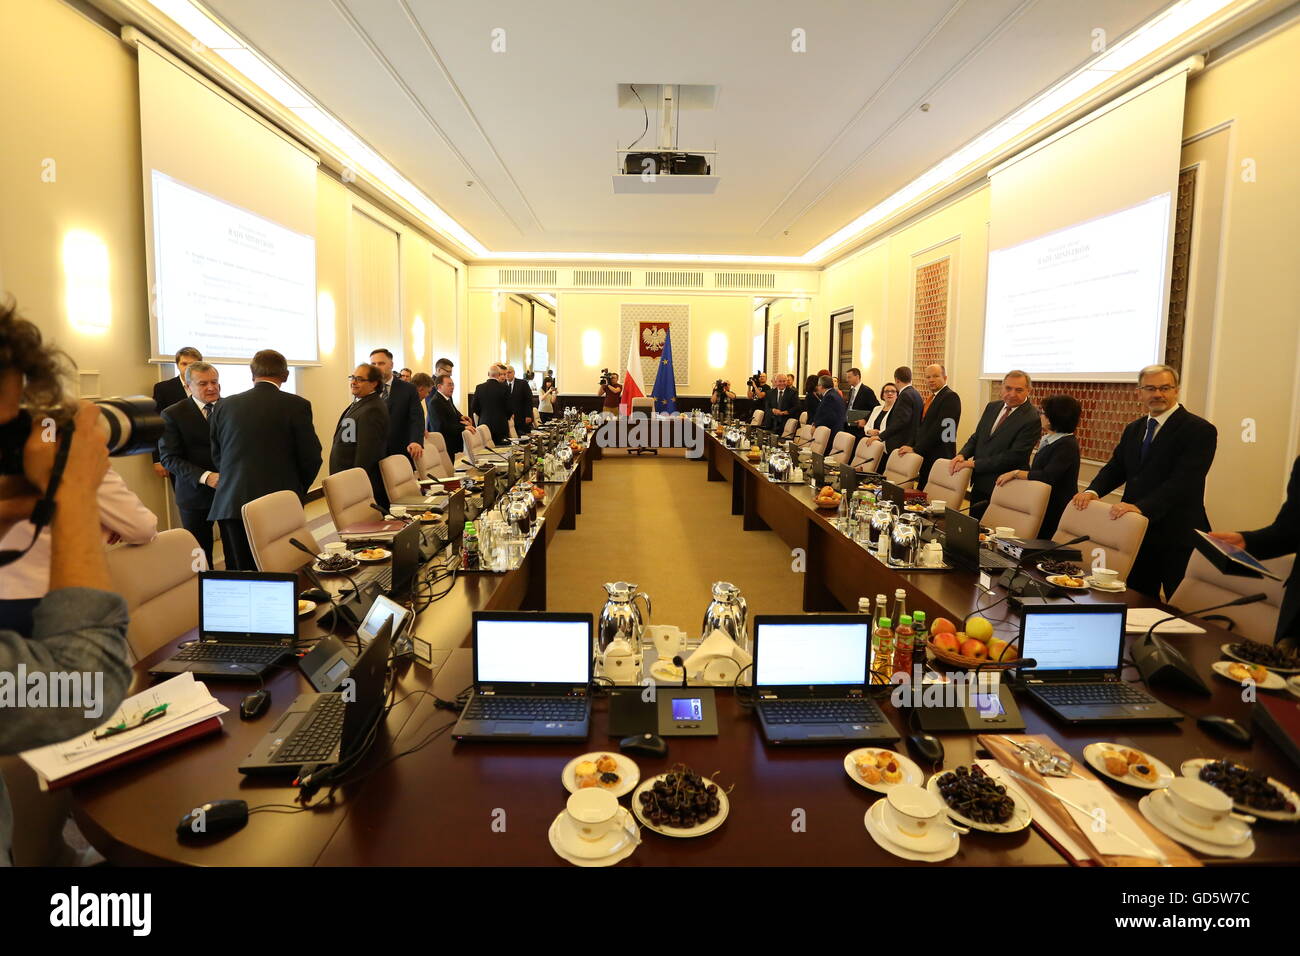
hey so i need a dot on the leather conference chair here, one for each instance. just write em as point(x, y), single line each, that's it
point(804, 435)
point(803, 418)
point(901, 469)
point(868, 454)
point(1018, 504)
point(159, 584)
point(791, 427)
point(1118, 540)
point(269, 522)
point(841, 448)
point(436, 462)
point(485, 434)
point(820, 439)
point(946, 487)
point(399, 478)
point(1205, 585)
point(757, 417)
point(643, 407)
point(349, 497)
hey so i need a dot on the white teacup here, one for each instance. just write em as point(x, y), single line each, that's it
point(1198, 803)
point(669, 641)
point(938, 507)
point(397, 511)
point(1005, 532)
point(336, 547)
point(592, 813)
point(1106, 577)
point(914, 811)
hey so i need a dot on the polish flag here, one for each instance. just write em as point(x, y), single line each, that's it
point(631, 387)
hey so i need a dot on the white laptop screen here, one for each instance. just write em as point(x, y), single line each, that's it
point(242, 606)
point(812, 653)
point(1080, 641)
point(532, 652)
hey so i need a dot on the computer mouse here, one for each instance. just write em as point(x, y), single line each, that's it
point(216, 818)
point(1224, 727)
point(255, 704)
point(647, 745)
point(314, 594)
point(927, 747)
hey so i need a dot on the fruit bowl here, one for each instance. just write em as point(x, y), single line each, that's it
point(827, 503)
point(957, 659)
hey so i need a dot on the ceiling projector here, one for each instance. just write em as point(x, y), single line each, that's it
point(666, 163)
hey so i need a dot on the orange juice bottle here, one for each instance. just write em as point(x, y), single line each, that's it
point(882, 665)
point(904, 637)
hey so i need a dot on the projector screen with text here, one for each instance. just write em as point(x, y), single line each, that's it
point(1084, 300)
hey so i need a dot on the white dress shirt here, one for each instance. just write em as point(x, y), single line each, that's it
point(878, 417)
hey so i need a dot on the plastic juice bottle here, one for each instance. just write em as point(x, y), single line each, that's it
point(921, 639)
point(469, 553)
point(904, 636)
point(882, 664)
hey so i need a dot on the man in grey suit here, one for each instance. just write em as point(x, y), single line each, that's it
point(1003, 440)
point(262, 441)
point(361, 436)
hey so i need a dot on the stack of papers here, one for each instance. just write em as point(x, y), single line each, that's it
point(1138, 619)
point(188, 704)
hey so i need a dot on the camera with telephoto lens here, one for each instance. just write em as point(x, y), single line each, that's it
point(131, 425)
point(604, 376)
point(752, 382)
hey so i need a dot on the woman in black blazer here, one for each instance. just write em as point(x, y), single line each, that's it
point(1056, 462)
point(810, 399)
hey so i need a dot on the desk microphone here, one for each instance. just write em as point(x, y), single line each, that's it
point(1021, 589)
point(678, 662)
point(1158, 661)
point(973, 504)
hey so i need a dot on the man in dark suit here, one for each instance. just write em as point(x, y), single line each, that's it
point(361, 435)
point(263, 440)
point(1003, 440)
point(446, 417)
point(168, 393)
point(904, 417)
point(859, 399)
point(1280, 538)
point(492, 405)
point(405, 414)
point(187, 454)
point(830, 407)
point(936, 433)
point(782, 402)
point(1161, 460)
point(520, 402)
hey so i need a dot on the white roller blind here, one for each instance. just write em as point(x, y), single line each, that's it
point(374, 305)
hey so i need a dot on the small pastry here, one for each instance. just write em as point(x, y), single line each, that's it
point(1144, 772)
point(609, 780)
point(869, 773)
point(884, 758)
point(1115, 764)
point(892, 773)
point(606, 764)
point(585, 768)
point(1132, 756)
point(1258, 673)
point(585, 782)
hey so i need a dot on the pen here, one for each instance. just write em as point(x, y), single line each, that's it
point(153, 713)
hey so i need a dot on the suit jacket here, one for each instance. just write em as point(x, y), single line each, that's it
point(1057, 465)
point(1279, 538)
point(493, 408)
point(446, 421)
point(405, 417)
point(788, 402)
point(810, 403)
point(1007, 448)
point(368, 442)
point(165, 395)
point(263, 440)
point(186, 452)
point(521, 405)
point(904, 419)
point(830, 412)
point(864, 401)
point(942, 419)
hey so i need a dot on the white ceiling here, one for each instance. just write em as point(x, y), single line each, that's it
point(806, 141)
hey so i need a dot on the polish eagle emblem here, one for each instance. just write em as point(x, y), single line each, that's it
point(654, 338)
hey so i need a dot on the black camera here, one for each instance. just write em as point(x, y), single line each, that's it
point(604, 376)
point(131, 425)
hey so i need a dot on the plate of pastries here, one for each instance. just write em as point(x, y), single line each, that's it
point(1239, 673)
point(879, 770)
point(608, 771)
point(1128, 765)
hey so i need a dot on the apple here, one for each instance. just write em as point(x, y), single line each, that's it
point(1000, 650)
point(973, 648)
point(942, 625)
point(979, 628)
point(946, 640)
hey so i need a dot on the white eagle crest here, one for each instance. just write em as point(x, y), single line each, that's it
point(654, 338)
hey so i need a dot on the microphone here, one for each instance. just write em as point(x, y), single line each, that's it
point(678, 662)
point(973, 504)
point(1008, 579)
point(1160, 662)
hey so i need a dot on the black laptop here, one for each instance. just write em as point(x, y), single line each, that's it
point(819, 469)
point(248, 622)
point(532, 674)
point(1078, 649)
point(961, 545)
point(848, 479)
point(326, 729)
point(810, 679)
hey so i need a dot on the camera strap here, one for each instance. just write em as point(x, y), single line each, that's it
point(43, 512)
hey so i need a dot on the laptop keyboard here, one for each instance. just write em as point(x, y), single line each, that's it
point(318, 734)
point(1071, 694)
point(234, 653)
point(994, 559)
point(821, 712)
point(526, 708)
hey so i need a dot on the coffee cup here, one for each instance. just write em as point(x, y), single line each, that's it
point(336, 547)
point(397, 511)
point(1105, 577)
point(1005, 532)
point(914, 811)
point(1199, 804)
point(592, 813)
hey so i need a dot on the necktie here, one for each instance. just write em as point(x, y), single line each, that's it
point(1006, 410)
point(386, 388)
point(853, 394)
point(925, 409)
point(207, 408)
point(1146, 441)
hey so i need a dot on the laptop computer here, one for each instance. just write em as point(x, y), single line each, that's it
point(961, 545)
point(326, 729)
point(819, 469)
point(894, 493)
point(848, 479)
point(248, 622)
point(1078, 649)
point(532, 672)
point(810, 679)
point(398, 577)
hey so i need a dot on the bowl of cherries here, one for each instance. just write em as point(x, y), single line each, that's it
point(680, 803)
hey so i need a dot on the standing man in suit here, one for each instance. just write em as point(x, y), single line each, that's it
point(830, 407)
point(1161, 460)
point(860, 399)
point(520, 402)
point(1280, 538)
point(361, 435)
point(168, 393)
point(187, 452)
point(446, 417)
point(405, 418)
point(491, 402)
point(904, 417)
point(782, 402)
point(1003, 440)
point(423, 383)
point(263, 440)
point(936, 434)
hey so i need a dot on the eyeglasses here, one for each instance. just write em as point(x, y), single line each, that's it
point(357, 378)
point(1162, 389)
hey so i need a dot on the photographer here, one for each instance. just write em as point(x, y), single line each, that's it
point(547, 398)
point(759, 389)
point(80, 625)
point(611, 390)
point(723, 399)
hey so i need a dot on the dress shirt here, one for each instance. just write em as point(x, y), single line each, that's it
point(1162, 418)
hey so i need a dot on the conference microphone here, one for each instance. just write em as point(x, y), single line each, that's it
point(1160, 662)
point(973, 504)
point(1009, 576)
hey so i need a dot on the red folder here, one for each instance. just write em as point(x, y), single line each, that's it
point(210, 726)
point(1279, 718)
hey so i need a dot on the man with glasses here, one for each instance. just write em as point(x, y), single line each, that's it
point(362, 431)
point(1161, 460)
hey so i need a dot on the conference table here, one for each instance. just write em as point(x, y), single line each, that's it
point(445, 803)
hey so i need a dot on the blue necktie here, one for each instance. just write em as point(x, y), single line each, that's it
point(1146, 442)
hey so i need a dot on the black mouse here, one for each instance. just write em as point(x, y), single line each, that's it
point(1224, 727)
point(255, 704)
point(648, 745)
point(927, 747)
point(314, 594)
point(216, 818)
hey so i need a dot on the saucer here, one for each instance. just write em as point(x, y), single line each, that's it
point(880, 831)
point(616, 856)
point(629, 773)
point(1117, 586)
point(565, 840)
point(1229, 832)
point(1155, 818)
point(1271, 681)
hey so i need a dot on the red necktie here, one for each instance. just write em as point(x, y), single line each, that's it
point(1006, 410)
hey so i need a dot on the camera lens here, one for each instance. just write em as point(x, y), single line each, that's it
point(132, 423)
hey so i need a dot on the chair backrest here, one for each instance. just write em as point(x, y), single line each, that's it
point(868, 454)
point(399, 478)
point(790, 427)
point(160, 585)
point(510, 425)
point(901, 468)
point(349, 497)
point(1118, 539)
point(436, 462)
point(485, 435)
point(1018, 504)
point(1204, 585)
point(821, 436)
point(944, 486)
point(841, 448)
point(804, 434)
point(757, 417)
point(270, 521)
point(803, 418)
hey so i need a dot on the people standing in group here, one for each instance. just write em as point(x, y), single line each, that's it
point(491, 404)
point(830, 408)
point(547, 398)
point(1055, 461)
point(361, 435)
point(520, 401)
point(936, 433)
point(445, 418)
point(782, 403)
point(186, 451)
point(811, 399)
point(905, 416)
point(1006, 434)
point(167, 393)
point(1162, 460)
point(405, 415)
point(423, 383)
point(262, 441)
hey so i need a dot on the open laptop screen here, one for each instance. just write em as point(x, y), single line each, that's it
point(808, 652)
point(235, 604)
point(532, 650)
point(1074, 639)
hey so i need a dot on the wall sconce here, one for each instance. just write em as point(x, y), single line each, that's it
point(87, 301)
point(717, 350)
point(591, 348)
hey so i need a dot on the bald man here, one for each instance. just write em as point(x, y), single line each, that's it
point(936, 435)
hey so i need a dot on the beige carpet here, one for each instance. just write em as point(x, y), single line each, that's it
point(657, 522)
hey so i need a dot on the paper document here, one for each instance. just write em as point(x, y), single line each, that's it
point(1106, 818)
point(1138, 619)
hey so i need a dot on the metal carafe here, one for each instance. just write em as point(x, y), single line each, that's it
point(729, 613)
point(620, 617)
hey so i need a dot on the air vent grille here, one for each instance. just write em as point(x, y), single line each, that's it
point(602, 277)
point(674, 280)
point(525, 279)
point(744, 280)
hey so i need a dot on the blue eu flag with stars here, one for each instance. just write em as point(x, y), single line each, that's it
point(665, 390)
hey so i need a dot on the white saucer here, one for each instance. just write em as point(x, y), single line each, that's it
point(1192, 768)
point(875, 823)
point(622, 850)
point(1179, 836)
point(1093, 754)
point(911, 772)
point(1271, 681)
point(629, 773)
point(1229, 832)
point(1117, 586)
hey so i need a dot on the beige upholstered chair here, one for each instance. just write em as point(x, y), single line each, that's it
point(841, 448)
point(269, 522)
point(946, 487)
point(901, 469)
point(803, 418)
point(757, 417)
point(1119, 540)
point(485, 434)
point(159, 583)
point(1018, 504)
point(804, 435)
point(868, 454)
point(791, 426)
point(1204, 585)
point(820, 439)
point(399, 478)
point(436, 463)
point(644, 404)
point(349, 497)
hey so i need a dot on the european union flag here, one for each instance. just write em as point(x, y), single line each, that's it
point(665, 391)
